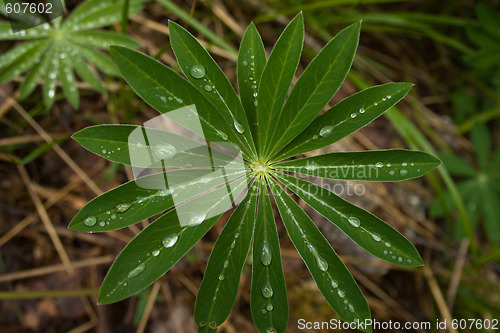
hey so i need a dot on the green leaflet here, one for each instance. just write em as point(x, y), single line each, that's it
point(317, 85)
point(346, 117)
point(219, 287)
point(165, 90)
point(251, 63)
point(204, 73)
point(276, 79)
point(332, 277)
point(381, 165)
point(367, 230)
point(158, 247)
point(267, 312)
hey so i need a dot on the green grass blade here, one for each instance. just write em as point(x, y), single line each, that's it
point(317, 85)
point(165, 90)
point(267, 270)
point(367, 230)
point(251, 63)
point(382, 165)
point(346, 117)
point(204, 73)
point(219, 287)
point(276, 79)
point(154, 251)
point(329, 272)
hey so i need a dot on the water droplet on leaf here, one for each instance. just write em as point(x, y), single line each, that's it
point(197, 71)
point(326, 131)
point(123, 207)
point(238, 127)
point(267, 290)
point(354, 221)
point(90, 221)
point(170, 240)
point(164, 151)
point(266, 255)
point(136, 271)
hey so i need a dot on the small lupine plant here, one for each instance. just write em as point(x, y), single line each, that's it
point(55, 50)
point(269, 129)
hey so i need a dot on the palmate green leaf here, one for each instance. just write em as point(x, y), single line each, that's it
point(98, 58)
point(382, 165)
point(367, 230)
point(155, 250)
point(251, 63)
point(41, 31)
point(316, 86)
point(35, 73)
point(219, 287)
point(50, 78)
point(276, 79)
point(204, 73)
point(165, 91)
point(329, 272)
point(346, 117)
point(267, 312)
point(10, 56)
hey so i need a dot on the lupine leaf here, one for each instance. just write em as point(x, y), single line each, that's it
point(104, 39)
point(204, 73)
point(155, 250)
point(367, 230)
point(85, 73)
point(346, 117)
point(220, 283)
point(267, 269)
point(381, 165)
point(276, 79)
point(329, 272)
point(317, 85)
point(251, 63)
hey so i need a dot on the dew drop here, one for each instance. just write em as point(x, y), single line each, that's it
point(197, 71)
point(155, 252)
point(102, 224)
point(351, 308)
point(408, 261)
point(245, 63)
point(334, 284)
point(341, 293)
point(255, 103)
point(379, 164)
point(170, 98)
point(113, 216)
point(264, 311)
point(354, 221)
point(265, 254)
point(251, 78)
point(376, 237)
point(400, 259)
point(362, 110)
point(404, 164)
point(403, 172)
point(238, 127)
point(326, 131)
point(389, 97)
point(315, 137)
point(170, 240)
point(269, 307)
point(197, 218)
point(226, 264)
point(136, 271)
point(386, 252)
point(164, 151)
point(90, 221)
point(322, 263)
point(221, 277)
point(388, 165)
point(123, 207)
point(104, 151)
point(222, 135)
point(375, 103)
point(267, 290)
point(353, 115)
point(387, 244)
point(384, 99)
point(208, 87)
point(233, 244)
point(392, 172)
point(237, 235)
